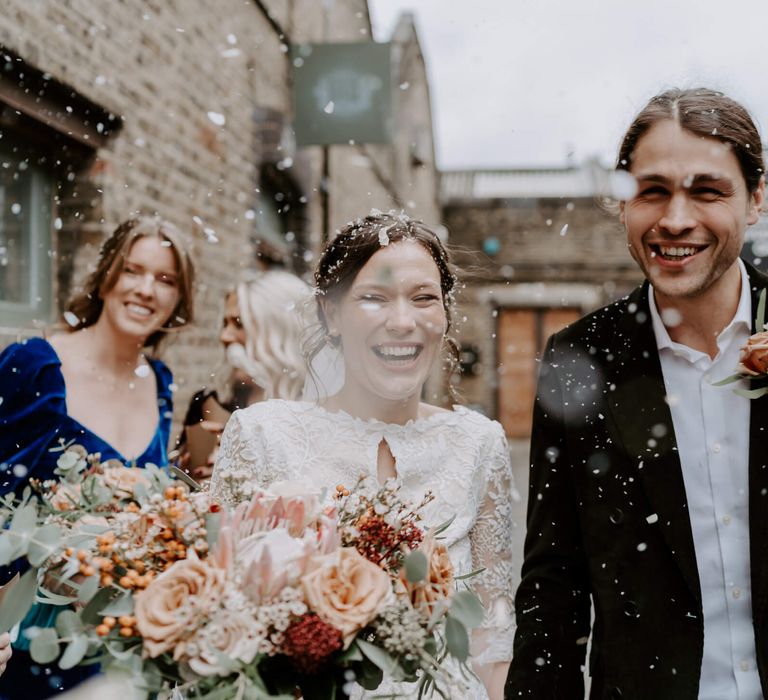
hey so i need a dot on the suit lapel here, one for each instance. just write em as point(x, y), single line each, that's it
point(758, 477)
point(643, 426)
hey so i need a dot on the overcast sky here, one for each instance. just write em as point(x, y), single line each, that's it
point(526, 82)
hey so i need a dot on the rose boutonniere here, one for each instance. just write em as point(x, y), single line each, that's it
point(753, 360)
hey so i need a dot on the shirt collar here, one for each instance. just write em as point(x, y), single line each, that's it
point(742, 317)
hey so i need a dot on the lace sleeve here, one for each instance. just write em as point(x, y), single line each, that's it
point(240, 460)
point(491, 539)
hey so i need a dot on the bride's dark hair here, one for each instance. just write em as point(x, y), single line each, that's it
point(356, 243)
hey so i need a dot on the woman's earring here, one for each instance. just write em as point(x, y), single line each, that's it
point(333, 338)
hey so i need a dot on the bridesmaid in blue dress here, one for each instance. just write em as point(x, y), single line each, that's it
point(95, 384)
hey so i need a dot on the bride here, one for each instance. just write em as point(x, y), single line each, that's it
point(385, 296)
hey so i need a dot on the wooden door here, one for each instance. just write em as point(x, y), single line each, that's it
point(521, 335)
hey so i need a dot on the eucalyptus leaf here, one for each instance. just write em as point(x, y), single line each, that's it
point(87, 589)
point(68, 623)
point(74, 652)
point(382, 659)
point(123, 653)
point(442, 527)
point(225, 692)
point(416, 566)
point(368, 674)
point(186, 478)
point(24, 519)
point(122, 605)
point(9, 548)
point(352, 653)
point(94, 611)
point(51, 598)
point(44, 647)
point(44, 542)
point(456, 638)
point(471, 574)
point(18, 601)
point(752, 393)
point(729, 380)
point(466, 607)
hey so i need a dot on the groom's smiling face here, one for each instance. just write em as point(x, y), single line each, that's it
point(685, 226)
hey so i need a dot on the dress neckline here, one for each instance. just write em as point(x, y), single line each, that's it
point(438, 417)
point(121, 457)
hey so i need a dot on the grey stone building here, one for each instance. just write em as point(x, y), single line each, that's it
point(540, 247)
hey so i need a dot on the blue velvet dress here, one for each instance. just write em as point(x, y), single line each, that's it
point(33, 418)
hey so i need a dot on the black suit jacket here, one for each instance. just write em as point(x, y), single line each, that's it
point(608, 518)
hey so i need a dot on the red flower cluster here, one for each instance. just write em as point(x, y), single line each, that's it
point(381, 543)
point(309, 642)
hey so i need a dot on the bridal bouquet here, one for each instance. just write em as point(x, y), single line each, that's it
point(279, 595)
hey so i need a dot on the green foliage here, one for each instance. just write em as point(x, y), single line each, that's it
point(108, 601)
point(466, 608)
point(74, 652)
point(43, 543)
point(368, 674)
point(183, 476)
point(18, 600)
point(69, 624)
point(44, 648)
point(381, 658)
point(416, 566)
point(442, 527)
point(456, 638)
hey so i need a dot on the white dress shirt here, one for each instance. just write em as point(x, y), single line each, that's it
point(712, 431)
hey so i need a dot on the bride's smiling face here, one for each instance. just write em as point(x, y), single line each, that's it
point(391, 322)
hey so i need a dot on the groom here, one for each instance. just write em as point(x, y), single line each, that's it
point(649, 484)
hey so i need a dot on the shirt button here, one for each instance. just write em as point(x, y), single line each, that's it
point(736, 593)
point(726, 520)
point(744, 665)
point(716, 448)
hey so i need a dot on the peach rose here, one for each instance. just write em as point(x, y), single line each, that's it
point(425, 595)
point(122, 481)
point(166, 608)
point(753, 360)
point(346, 590)
point(228, 636)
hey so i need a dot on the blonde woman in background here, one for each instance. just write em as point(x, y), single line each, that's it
point(261, 335)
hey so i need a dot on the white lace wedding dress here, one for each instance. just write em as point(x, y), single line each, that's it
point(460, 456)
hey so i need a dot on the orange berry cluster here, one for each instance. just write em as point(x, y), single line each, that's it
point(127, 625)
point(341, 491)
point(90, 564)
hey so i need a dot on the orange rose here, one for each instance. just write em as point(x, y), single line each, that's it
point(753, 360)
point(346, 591)
point(438, 585)
point(165, 609)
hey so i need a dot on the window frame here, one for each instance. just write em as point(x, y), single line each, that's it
point(38, 245)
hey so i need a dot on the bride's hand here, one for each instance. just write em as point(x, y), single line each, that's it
point(5, 651)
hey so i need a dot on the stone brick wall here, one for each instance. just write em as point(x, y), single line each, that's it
point(539, 264)
point(167, 68)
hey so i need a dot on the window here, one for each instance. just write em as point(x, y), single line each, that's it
point(25, 240)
